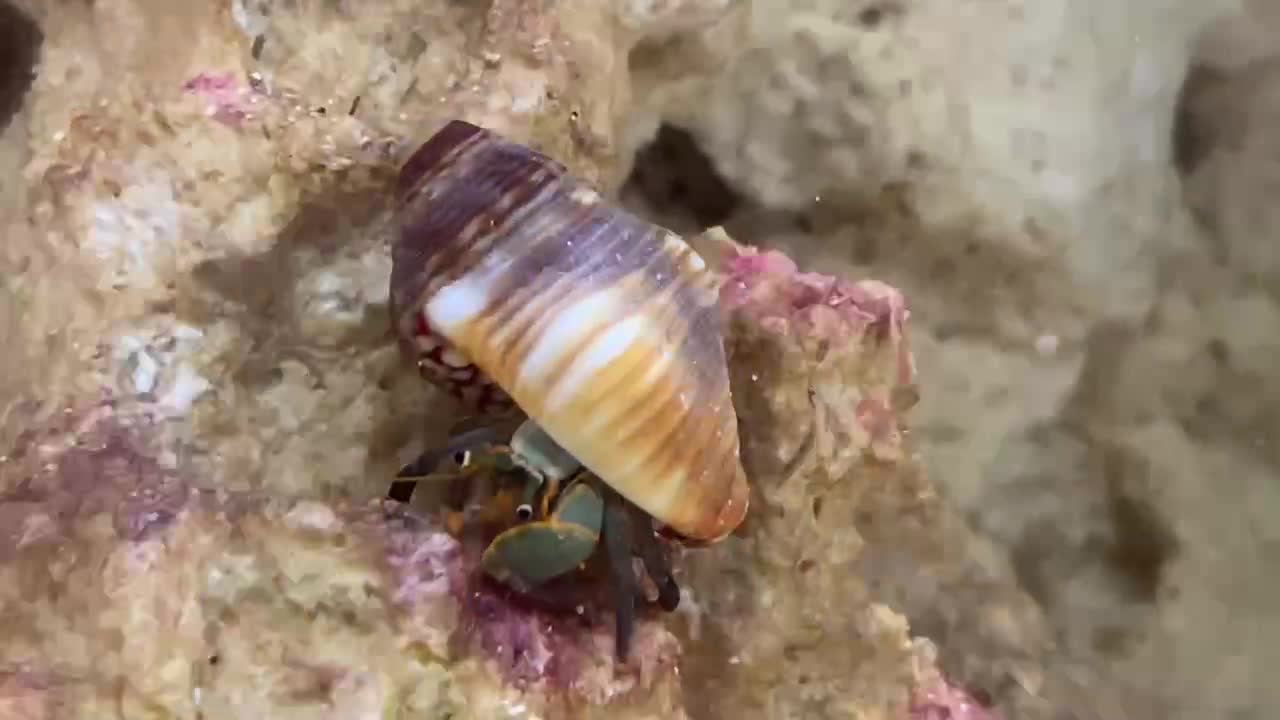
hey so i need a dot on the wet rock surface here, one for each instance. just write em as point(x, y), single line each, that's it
point(1088, 292)
point(196, 202)
point(129, 588)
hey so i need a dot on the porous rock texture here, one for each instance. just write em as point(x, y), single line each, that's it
point(209, 204)
point(1078, 199)
point(843, 519)
point(202, 404)
point(131, 591)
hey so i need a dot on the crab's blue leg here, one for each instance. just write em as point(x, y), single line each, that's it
point(655, 564)
point(617, 543)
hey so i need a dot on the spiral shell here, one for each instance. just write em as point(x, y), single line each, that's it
point(602, 327)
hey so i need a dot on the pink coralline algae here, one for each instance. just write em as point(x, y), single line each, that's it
point(558, 648)
point(89, 462)
point(27, 694)
point(867, 317)
point(226, 97)
point(769, 288)
point(425, 565)
point(567, 648)
point(527, 644)
point(942, 701)
point(94, 461)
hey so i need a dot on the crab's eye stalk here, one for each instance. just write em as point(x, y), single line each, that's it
point(462, 458)
point(524, 513)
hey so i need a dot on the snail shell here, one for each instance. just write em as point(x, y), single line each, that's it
point(602, 327)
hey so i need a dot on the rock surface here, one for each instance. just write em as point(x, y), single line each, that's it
point(1077, 199)
point(195, 204)
point(204, 239)
point(192, 598)
point(129, 589)
point(203, 223)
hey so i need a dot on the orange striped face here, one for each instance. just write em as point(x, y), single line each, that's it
point(602, 327)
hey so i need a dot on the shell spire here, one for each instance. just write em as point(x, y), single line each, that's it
point(602, 327)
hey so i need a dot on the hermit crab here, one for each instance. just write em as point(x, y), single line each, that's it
point(521, 290)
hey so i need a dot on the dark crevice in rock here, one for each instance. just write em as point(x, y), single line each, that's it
point(676, 179)
point(20, 40)
point(1142, 542)
point(1192, 136)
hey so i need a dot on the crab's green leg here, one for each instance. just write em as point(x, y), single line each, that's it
point(617, 543)
point(528, 555)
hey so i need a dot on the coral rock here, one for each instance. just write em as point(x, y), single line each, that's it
point(128, 587)
point(201, 230)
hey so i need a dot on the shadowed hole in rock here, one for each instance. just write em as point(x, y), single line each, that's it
point(874, 15)
point(1039, 542)
point(871, 17)
point(1133, 548)
point(1192, 136)
point(866, 248)
point(674, 177)
point(1219, 352)
point(1113, 640)
point(1142, 543)
point(20, 40)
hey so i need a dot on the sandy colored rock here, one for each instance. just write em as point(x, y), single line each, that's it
point(825, 103)
point(203, 223)
point(200, 224)
point(1090, 288)
point(292, 605)
point(129, 589)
